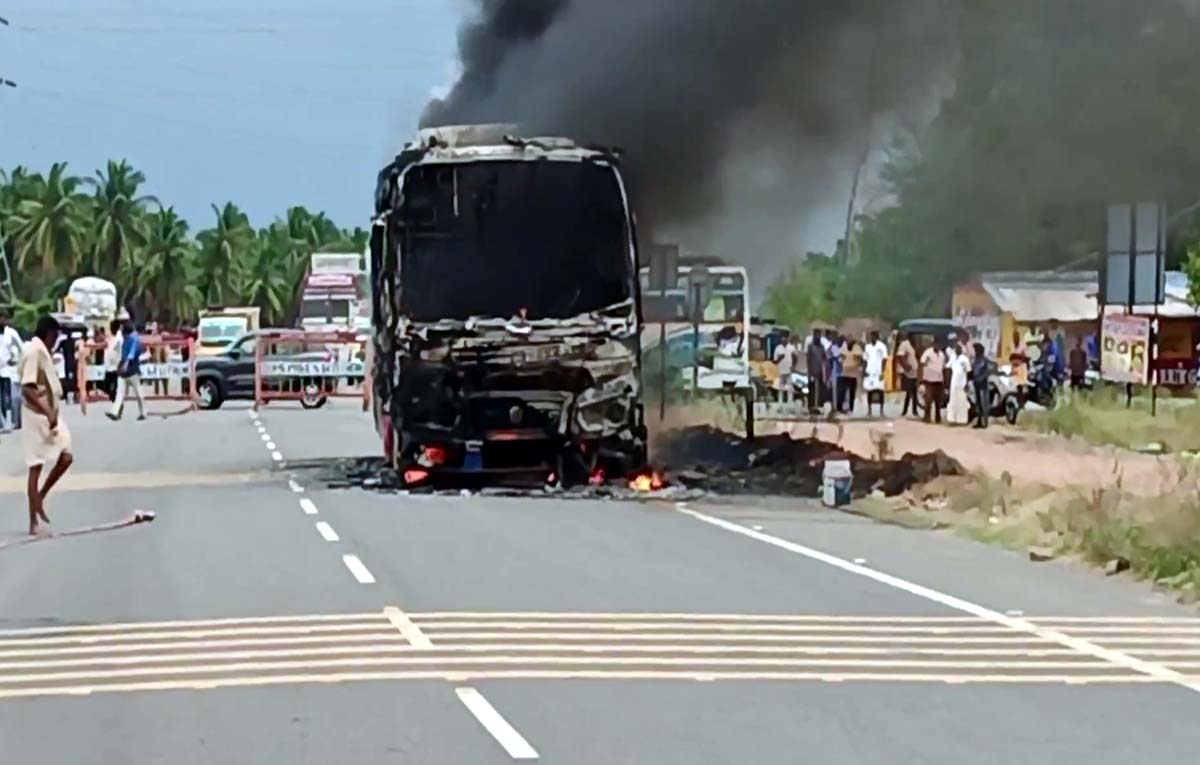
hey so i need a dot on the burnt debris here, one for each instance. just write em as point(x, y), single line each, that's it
point(724, 463)
point(695, 462)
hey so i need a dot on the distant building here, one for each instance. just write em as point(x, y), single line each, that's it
point(994, 305)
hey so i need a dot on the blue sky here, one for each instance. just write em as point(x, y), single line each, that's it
point(267, 103)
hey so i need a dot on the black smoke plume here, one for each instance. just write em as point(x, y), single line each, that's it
point(736, 116)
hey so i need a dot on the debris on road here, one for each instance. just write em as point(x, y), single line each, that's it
point(696, 462)
point(1116, 566)
point(1042, 554)
point(724, 463)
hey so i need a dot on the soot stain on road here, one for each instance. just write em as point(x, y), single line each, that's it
point(696, 462)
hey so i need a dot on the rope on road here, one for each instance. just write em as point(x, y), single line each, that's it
point(139, 517)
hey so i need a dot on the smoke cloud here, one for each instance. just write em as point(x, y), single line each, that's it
point(737, 118)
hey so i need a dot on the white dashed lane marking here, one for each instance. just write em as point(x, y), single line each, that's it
point(508, 737)
point(307, 506)
point(360, 571)
point(326, 531)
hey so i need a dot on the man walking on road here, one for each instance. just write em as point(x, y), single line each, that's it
point(130, 374)
point(46, 437)
point(10, 357)
point(113, 345)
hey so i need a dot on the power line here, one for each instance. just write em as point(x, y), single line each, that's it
point(3, 81)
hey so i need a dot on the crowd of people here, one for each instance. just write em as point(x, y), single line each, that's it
point(946, 376)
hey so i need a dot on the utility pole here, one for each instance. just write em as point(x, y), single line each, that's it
point(7, 295)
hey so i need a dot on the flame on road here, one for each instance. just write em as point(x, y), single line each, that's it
point(649, 481)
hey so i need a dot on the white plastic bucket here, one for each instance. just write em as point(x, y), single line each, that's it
point(837, 478)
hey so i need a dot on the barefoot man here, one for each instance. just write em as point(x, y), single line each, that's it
point(47, 440)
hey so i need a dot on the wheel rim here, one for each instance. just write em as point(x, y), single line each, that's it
point(206, 393)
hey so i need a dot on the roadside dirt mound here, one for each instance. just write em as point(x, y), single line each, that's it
point(724, 463)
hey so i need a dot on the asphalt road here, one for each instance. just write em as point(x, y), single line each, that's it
point(264, 618)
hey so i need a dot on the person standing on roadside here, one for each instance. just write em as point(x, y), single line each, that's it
point(875, 357)
point(906, 355)
point(852, 370)
point(981, 373)
point(10, 357)
point(933, 370)
point(958, 409)
point(814, 356)
point(47, 439)
point(785, 364)
point(1019, 361)
point(129, 371)
point(1078, 365)
point(834, 367)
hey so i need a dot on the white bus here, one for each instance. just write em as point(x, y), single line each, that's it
point(724, 349)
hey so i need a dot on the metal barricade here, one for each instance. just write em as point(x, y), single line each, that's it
point(168, 362)
point(311, 367)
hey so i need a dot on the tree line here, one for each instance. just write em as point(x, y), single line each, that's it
point(57, 227)
point(1056, 111)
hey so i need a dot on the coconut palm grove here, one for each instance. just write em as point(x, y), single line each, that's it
point(56, 226)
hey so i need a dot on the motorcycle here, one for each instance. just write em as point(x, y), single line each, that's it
point(1043, 384)
point(1003, 394)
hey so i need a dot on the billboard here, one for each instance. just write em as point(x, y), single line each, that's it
point(1125, 349)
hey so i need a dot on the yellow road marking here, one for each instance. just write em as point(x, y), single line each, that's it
point(423, 659)
point(224, 622)
point(781, 637)
point(436, 629)
point(461, 676)
point(547, 648)
point(166, 635)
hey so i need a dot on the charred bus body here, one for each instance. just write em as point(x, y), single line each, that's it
point(505, 311)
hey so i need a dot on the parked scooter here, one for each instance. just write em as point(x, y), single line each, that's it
point(1003, 394)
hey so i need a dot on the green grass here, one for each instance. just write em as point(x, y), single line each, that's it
point(1101, 417)
point(1159, 537)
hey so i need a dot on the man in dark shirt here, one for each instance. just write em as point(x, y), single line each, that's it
point(1078, 364)
point(816, 359)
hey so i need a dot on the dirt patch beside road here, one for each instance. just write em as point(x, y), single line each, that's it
point(1026, 457)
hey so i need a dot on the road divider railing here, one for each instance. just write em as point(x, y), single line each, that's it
point(311, 367)
point(167, 371)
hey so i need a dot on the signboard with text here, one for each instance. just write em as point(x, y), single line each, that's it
point(352, 368)
point(1125, 349)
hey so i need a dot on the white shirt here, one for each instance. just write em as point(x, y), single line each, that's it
point(112, 352)
point(785, 358)
point(10, 353)
point(875, 356)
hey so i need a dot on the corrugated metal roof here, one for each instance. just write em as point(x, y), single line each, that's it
point(1045, 295)
point(1071, 295)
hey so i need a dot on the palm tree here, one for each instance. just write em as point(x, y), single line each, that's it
point(161, 275)
point(119, 224)
point(48, 227)
point(266, 279)
point(222, 249)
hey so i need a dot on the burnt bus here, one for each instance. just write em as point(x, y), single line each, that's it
point(505, 311)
